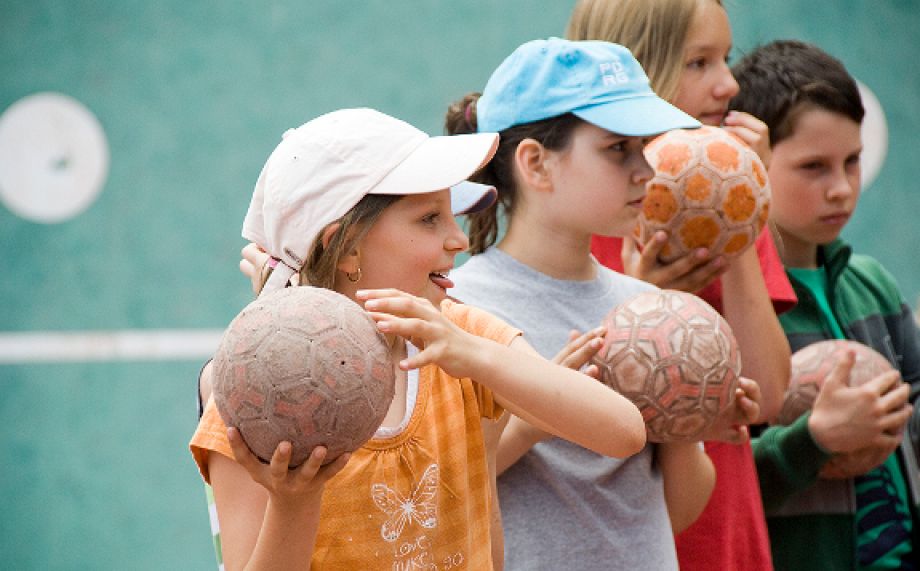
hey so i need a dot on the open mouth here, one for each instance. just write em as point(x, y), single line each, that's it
point(441, 280)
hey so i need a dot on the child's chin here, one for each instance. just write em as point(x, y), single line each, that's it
point(435, 295)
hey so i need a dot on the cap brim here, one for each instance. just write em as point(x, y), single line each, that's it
point(467, 197)
point(439, 163)
point(637, 116)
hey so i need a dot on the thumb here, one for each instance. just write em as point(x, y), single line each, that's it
point(840, 374)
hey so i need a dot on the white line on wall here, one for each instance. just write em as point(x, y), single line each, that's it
point(120, 345)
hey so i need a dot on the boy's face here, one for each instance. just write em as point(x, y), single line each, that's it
point(814, 174)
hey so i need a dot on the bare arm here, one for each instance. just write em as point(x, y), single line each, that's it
point(520, 436)
point(689, 478)
point(492, 432)
point(764, 349)
point(268, 515)
point(571, 404)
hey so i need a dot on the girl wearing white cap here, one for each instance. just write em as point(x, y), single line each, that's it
point(362, 203)
point(573, 119)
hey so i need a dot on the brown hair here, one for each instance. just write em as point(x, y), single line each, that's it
point(655, 31)
point(320, 267)
point(553, 133)
point(782, 79)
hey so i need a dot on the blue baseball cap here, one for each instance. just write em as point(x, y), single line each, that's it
point(600, 82)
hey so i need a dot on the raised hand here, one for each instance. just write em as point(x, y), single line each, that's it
point(752, 131)
point(580, 349)
point(421, 323)
point(575, 354)
point(254, 265)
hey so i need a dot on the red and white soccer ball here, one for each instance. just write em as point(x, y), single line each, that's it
point(710, 190)
point(675, 358)
point(306, 365)
point(811, 366)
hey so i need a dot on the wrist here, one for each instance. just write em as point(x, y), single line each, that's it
point(818, 433)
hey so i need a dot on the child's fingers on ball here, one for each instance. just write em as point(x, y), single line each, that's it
point(241, 451)
point(281, 459)
point(314, 462)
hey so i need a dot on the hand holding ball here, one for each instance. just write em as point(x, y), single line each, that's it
point(811, 366)
point(306, 365)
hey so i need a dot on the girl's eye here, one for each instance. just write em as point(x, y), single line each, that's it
point(430, 218)
point(618, 147)
point(697, 63)
point(853, 160)
point(813, 165)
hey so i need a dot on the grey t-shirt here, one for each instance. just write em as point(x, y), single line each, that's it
point(563, 506)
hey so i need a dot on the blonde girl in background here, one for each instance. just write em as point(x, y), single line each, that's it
point(684, 46)
point(363, 204)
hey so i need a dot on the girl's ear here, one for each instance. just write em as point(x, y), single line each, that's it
point(329, 232)
point(531, 162)
point(349, 262)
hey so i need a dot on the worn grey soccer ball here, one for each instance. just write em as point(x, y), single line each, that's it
point(306, 365)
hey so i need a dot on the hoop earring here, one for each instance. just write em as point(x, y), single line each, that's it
point(354, 277)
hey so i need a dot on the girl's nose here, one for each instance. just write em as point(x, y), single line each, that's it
point(457, 240)
point(643, 171)
point(727, 86)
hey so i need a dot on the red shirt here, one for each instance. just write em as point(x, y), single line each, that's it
point(731, 533)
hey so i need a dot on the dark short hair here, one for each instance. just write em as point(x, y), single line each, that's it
point(781, 79)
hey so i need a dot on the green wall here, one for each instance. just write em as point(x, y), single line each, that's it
point(193, 96)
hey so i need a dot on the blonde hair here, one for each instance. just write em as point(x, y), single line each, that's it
point(655, 31)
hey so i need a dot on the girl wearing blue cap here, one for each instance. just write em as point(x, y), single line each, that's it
point(573, 119)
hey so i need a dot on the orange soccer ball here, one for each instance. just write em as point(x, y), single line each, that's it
point(710, 190)
point(675, 358)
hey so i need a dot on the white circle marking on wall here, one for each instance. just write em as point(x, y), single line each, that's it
point(874, 133)
point(54, 157)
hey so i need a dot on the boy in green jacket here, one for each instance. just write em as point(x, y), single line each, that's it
point(867, 520)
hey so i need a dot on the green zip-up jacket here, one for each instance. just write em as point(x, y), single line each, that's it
point(870, 309)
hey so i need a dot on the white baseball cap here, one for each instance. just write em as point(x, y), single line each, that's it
point(322, 169)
